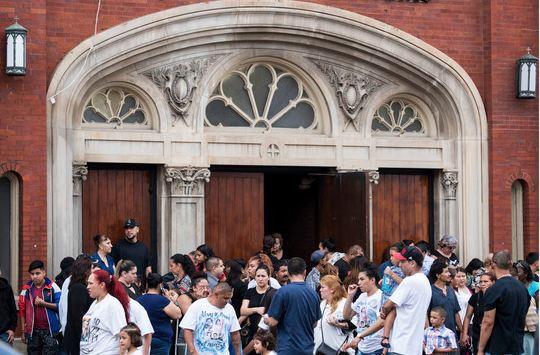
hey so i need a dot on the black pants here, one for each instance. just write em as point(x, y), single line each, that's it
point(41, 342)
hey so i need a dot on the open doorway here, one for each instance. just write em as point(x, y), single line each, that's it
point(305, 205)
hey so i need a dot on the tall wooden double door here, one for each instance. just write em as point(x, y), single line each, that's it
point(241, 207)
point(110, 195)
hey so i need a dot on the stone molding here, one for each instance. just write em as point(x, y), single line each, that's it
point(187, 181)
point(450, 183)
point(352, 89)
point(80, 173)
point(178, 83)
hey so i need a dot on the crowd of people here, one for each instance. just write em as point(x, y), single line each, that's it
point(417, 301)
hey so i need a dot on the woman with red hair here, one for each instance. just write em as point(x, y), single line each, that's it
point(107, 315)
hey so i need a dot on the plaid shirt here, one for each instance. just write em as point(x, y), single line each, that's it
point(439, 338)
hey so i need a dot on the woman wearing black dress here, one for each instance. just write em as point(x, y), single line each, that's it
point(78, 303)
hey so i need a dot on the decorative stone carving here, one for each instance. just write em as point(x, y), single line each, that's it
point(186, 181)
point(352, 89)
point(80, 172)
point(178, 83)
point(450, 182)
point(373, 176)
point(273, 150)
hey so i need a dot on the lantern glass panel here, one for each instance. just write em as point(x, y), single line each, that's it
point(532, 86)
point(19, 51)
point(10, 50)
point(524, 77)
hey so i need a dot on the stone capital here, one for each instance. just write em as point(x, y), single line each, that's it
point(450, 182)
point(186, 181)
point(79, 174)
point(373, 176)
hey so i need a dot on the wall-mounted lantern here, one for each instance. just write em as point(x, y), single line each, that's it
point(16, 49)
point(526, 71)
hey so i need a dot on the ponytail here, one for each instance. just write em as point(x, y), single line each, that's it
point(115, 289)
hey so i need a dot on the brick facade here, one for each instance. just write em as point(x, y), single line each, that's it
point(485, 37)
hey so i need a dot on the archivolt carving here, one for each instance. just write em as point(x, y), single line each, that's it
point(352, 89)
point(186, 181)
point(178, 83)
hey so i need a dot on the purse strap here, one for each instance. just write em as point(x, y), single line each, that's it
point(322, 320)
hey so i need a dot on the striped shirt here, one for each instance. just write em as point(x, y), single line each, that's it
point(439, 338)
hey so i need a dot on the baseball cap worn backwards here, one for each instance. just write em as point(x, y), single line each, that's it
point(410, 253)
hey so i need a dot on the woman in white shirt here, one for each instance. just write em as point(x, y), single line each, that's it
point(459, 283)
point(331, 329)
point(106, 316)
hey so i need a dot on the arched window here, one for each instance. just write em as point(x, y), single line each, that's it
point(261, 96)
point(398, 117)
point(517, 220)
point(115, 107)
point(9, 227)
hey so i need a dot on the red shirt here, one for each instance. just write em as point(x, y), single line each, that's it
point(40, 313)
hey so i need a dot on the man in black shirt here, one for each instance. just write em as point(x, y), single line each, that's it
point(343, 264)
point(131, 249)
point(505, 307)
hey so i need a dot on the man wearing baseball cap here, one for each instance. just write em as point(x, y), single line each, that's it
point(130, 248)
point(411, 301)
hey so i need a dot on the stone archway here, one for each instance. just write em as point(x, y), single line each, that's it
point(323, 41)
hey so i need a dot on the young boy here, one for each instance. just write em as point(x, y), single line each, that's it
point(393, 275)
point(38, 308)
point(438, 339)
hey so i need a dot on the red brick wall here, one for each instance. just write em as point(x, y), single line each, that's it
point(483, 36)
point(23, 130)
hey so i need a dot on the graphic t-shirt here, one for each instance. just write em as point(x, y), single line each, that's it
point(367, 311)
point(388, 284)
point(412, 298)
point(211, 326)
point(101, 327)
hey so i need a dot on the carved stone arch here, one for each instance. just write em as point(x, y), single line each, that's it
point(303, 68)
point(306, 29)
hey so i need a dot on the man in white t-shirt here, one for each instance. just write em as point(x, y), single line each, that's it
point(210, 321)
point(139, 316)
point(411, 301)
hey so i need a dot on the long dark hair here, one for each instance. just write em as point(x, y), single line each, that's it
point(235, 272)
point(185, 261)
point(115, 289)
point(81, 271)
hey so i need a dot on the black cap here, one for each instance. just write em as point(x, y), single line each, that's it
point(130, 223)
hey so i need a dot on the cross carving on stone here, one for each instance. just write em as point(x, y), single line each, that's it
point(273, 150)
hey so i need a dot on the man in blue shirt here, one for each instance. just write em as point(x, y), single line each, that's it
point(295, 310)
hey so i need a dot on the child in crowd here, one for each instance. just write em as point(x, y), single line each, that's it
point(393, 275)
point(130, 340)
point(38, 308)
point(264, 342)
point(438, 339)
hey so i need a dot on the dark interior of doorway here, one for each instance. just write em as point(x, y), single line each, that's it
point(306, 205)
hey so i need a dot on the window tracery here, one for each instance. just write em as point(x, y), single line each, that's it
point(398, 117)
point(261, 96)
point(115, 107)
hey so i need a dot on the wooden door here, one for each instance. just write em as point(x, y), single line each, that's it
point(110, 196)
point(401, 210)
point(234, 214)
point(342, 209)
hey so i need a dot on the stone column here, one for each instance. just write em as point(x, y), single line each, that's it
point(185, 189)
point(79, 174)
point(450, 182)
point(373, 177)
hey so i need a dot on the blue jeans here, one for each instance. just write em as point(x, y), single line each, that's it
point(376, 352)
point(160, 347)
